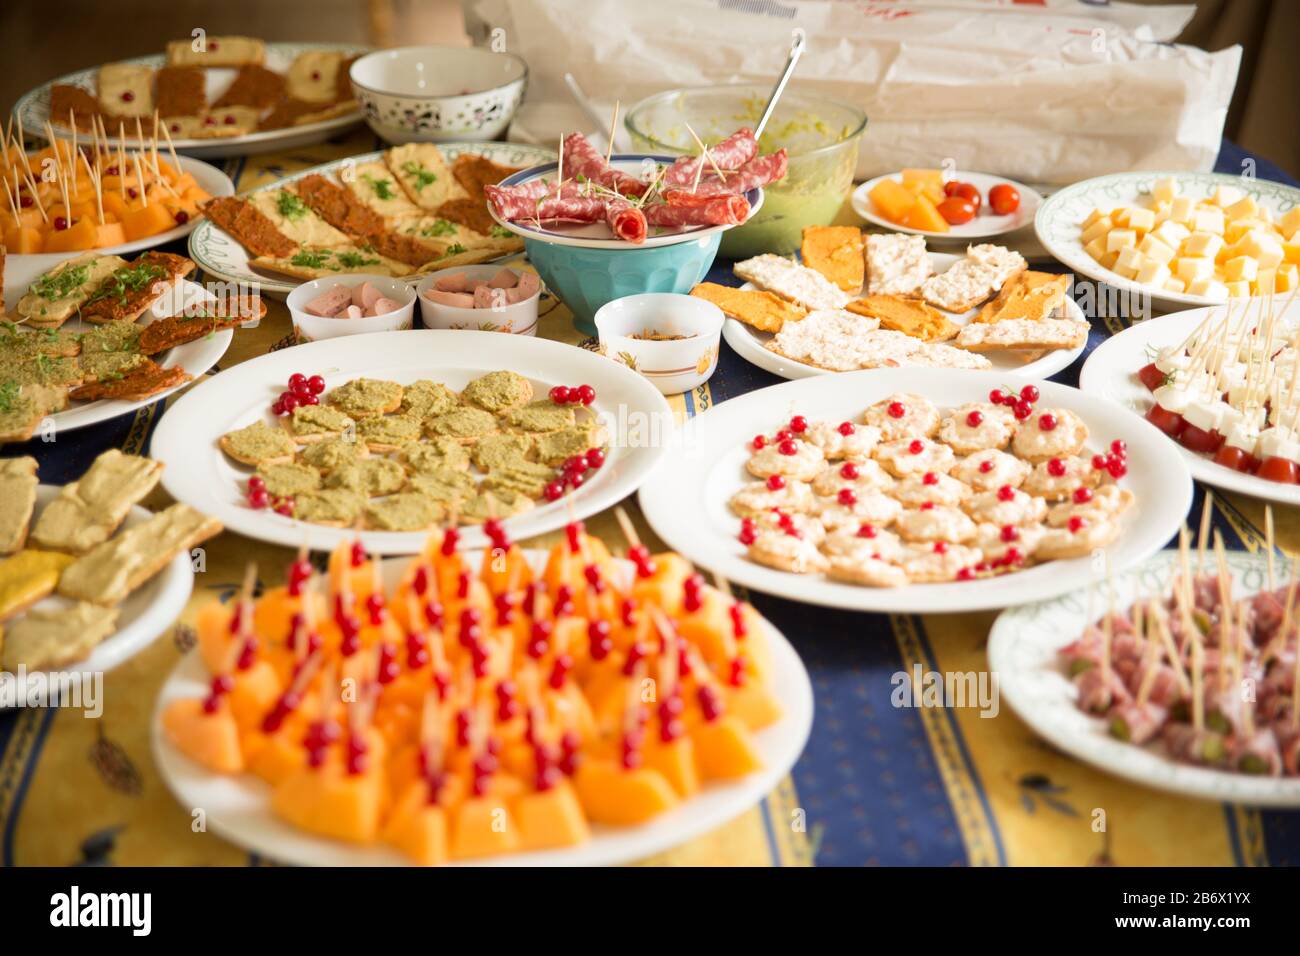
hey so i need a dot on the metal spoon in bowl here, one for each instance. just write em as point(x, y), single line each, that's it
point(796, 51)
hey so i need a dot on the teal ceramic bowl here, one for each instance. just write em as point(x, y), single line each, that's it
point(586, 279)
point(587, 270)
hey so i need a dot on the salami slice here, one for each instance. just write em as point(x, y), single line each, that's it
point(702, 211)
point(732, 153)
point(581, 159)
point(573, 208)
point(626, 221)
point(759, 171)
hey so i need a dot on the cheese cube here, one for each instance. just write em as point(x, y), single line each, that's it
point(1209, 288)
point(1205, 244)
point(1243, 208)
point(1152, 273)
point(1208, 220)
point(1141, 219)
point(1120, 239)
point(1226, 195)
point(1265, 283)
point(1237, 230)
point(1093, 217)
point(1099, 228)
point(1108, 260)
point(1096, 248)
point(1192, 269)
point(1237, 288)
point(1263, 247)
point(1175, 285)
point(1172, 233)
point(1181, 209)
point(1264, 214)
point(1288, 277)
point(1165, 190)
point(1154, 249)
point(1290, 223)
point(1120, 216)
point(1291, 249)
point(1129, 261)
point(1241, 269)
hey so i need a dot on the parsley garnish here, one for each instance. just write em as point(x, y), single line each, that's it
point(501, 232)
point(353, 260)
point(290, 206)
point(60, 285)
point(127, 280)
point(440, 227)
point(382, 187)
point(421, 175)
point(455, 249)
point(309, 259)
point(8, 395)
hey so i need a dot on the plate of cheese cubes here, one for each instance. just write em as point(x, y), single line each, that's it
point(1184, 239)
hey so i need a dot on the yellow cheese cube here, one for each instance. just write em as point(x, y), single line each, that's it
point(1141, 219)
point(1152, 273)
point(1153, 248)
point(1181, 209)
point(1171, 233)
point(1096, 248)
point(1120, 216)
point(1265, 283)
point(1288, 277)
point(1263, 247)
point(1208, 220)
point(1241, 269)
point(1119, 239)
point(1175, 285)
point(1243, 208)
point(1237, 230)
point(1210, 288)
point(1193, 269)
point(1205, 244)
point(1226, 195)
point(1092, 217)
point(1291, 249)
point(1108, 260)
point(1238, 288)
point(1099, 228)
point(1130, 260)
point(1289, 224)
point(1165, 190)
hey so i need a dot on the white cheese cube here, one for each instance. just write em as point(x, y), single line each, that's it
point(1154, 249)
point(1143, 220)
point(1181, 209)
point(1119, 239)
point(1288, 277)
point(1165, 190)
point(1099, 228)
point(1129, 261)
point(1205, 244)
point(1208, 220)
point(1152, 273)
point(1209, 288)
point(1238, 288)
point(1243, 208)
point(1175, 285)
point(1241, 269)
point(1172, 233)
point(1263, 247)
point(1226, 195)
point(1193, 269)
point(1265, 283)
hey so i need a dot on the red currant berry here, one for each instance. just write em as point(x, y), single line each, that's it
point(1082, 495)
point(1119, 447)
point(849, 471)
point(986, 466)
point(553, 491)
point(1009, 533)
point(60, 223)
point(182, 217)
point(1047, 422)
point(1012, 556)
point(941, 547)
point(285, 507)
point(256, 482)
point(846, 429)
point(784, 435)
point(289, 401)
point(759, 442)
point(866, 531)
point(586, 394)
point(1098, 462)
point(595, 458)
point(975, 419)
point(297, 382)
point(561, 395)
point(1076, 524)
point(1117, 469)
point(576, 481)
point(1056, 468)
point(798, 424)
point(847, 497)
point(966, 574)
point(788, 447)
point(1029, 393)
point(916, 447)
point(1023, 410)
point(775, 482)
point(997, 396)
point(316, 384)
point(897, 409)
point(927, 506)
point(258, 499)
point(1006, 493)
point(930, 478)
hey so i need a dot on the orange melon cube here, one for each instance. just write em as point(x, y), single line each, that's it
point(925, 182)
point(331, 802)
point(664, 587)
point(421, 832)
point(255, 692)
point(81, 235)
point(924, 215)
point(753, 703)
point(551, 818)
point(109, 234)
point(209, 739)
point(23, 241)
point(676, 761)
point(611, 794)
point(277, 757)
point(500, 571)
point(147, 221)
point(724, 749)
point(892, 200)
point(212, 627)
point(483, 826)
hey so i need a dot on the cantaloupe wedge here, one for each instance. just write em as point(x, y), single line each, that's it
point(209, 739)
point(551, 818)
point(892, 200)
point(255, 692)
point(147, 221)
point(926, 182)
point(23, 240)
point(724, 749)
point(924, 215)
point(676, 761)
point(212, 627)
point(611, 794)
point(420, 832)
point(664, 587)
point(331, 802)
point(276, 757)
point(498, 571)
point(564, 566)
point(79, 236)
point(109, 234)
point(754, 704)
point(483, 826)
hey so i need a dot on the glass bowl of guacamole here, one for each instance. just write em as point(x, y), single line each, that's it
point(821, 136)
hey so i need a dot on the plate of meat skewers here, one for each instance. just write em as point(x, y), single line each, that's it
point(1179, 674)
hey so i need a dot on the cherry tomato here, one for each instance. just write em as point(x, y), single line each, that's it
point(1232, 457)
point(1199, 440)
point(1004, 199)
point(1151, 377)
point(1280, 469)
point(1171, 423)
point(967, 191)
point(957, 210)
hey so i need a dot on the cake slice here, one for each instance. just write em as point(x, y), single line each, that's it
point(125, 89)
point(216, 51)
point(896, 264)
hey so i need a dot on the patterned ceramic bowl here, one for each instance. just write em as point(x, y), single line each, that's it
point(313, 328)
point(669, 338)
point(432, 94)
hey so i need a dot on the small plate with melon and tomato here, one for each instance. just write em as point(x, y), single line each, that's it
point(1122, 369)
point(959, 206)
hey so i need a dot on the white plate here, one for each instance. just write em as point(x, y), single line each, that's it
point(1024, 648)
point(986, 223)
point(199, 473)
point(143, 616)
point(1059, 217)
point(1111, 372)
point(34, 107)
point(219, 255)
point(597, 235)
point(238, 808)
point(22, 269)
point(750, 343)
point(685, 499)
point(195, 357)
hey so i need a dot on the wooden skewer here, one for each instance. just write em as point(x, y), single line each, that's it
point(1268, 543)
point(1226, 619)
point(72, 153)
point(171, 148)
point(1171, 650)
point(613, 125)
point(625, 525)
point(139, 178)
point(1203, 537)
point(36, 196)
point(1151, 655)
point(13, 205)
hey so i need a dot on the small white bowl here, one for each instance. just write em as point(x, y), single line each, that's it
point(313, 328)
point(672, 365)
point(435, 94)
point(519, 318)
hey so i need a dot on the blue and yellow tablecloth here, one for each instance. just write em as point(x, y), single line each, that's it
point(876, 785)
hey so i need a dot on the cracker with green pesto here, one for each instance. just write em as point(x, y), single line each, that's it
point(364, 397)
point(438, 454)
point(331, 454)
point(464, 424)
point(106, 366)
point(445, 487)
point(289, 479)
point(120, 335)
point(498, 503)
point(497, 450)
point(498, 391)
point(424, 399)
point(257, 444)
point(540, 416)
point(369, 476)
point(554, 447)
point(525, 477)
point(313, 423)
point(387, 433)
point(335, 507)
point(408, 511)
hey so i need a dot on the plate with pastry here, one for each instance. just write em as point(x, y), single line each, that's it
point(98, 336)
point(90, 578)
point(208, 95)
point(947, 206)
point(917, 490)
point(402, 212)
point(858, 301)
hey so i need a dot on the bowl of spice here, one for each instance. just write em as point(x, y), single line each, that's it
point(669, 338)
point(350, 305)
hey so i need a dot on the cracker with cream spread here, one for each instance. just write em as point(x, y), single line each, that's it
point(1023, 335)
point(791, 281)
point(88, 510)
point(17, 501)
point(896, 264)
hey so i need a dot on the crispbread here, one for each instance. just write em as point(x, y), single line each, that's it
point(91, 508)
point(17, 501)
point(424, 175)
point(836, 252)
point(349, 257)
point(279, 448)
point(216, 51)
point(973, 279)
point(1028, 295)
point(112, 570)
point(909, 316)
point(896, 264)
point(312, 76)
point(790, 280)
point(50, 638)
point(762, 310)
point(1023, 334)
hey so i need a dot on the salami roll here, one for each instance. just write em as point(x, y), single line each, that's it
point(759, 171)
point(712, 211)
point(581, 159)
point(626, 221)
point(573, 208)
point(732, 153)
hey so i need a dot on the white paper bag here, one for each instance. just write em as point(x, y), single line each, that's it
point(1050, 92)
